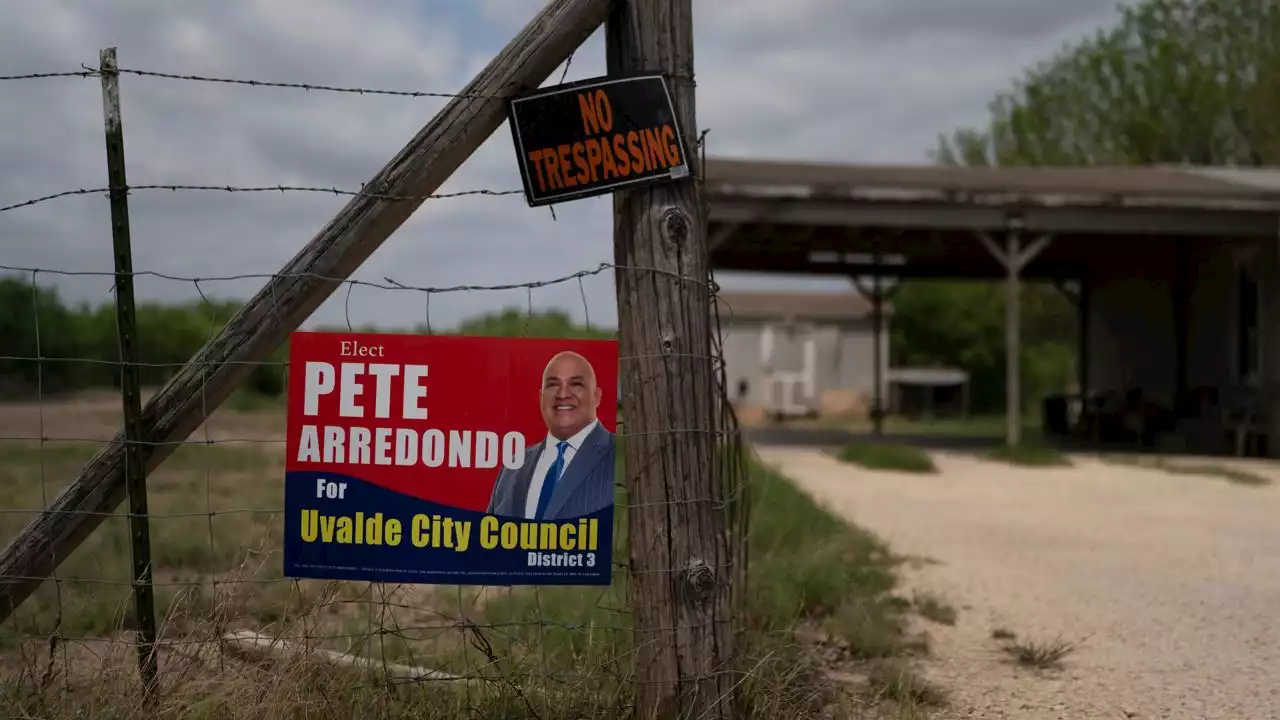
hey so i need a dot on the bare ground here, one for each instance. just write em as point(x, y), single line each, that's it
point(1171, 582)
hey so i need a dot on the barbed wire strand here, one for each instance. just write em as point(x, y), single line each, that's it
point(387, 284)
point(92, 72)
point(87, 71)
point(310, 87)
point(49, 75)
point(259, 189)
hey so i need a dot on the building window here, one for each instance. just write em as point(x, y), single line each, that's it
point(1247, 326)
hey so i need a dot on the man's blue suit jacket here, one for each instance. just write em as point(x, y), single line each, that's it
point(585, 487)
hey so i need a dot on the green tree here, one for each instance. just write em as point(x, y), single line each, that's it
point(79, 347)
point(514, 322)
point(961, 324)
point(37, 332)
point(1175, 81)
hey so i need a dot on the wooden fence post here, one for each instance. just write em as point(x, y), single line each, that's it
point(306, 281)
point(680, 564)
point(135, 472)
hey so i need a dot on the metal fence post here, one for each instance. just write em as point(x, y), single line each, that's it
point(127, 329)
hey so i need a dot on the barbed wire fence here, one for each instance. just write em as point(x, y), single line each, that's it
point(222, 608)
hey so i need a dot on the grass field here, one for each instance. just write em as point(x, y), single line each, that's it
point(821, 601)
point(900, 458)
point(1029, 453)
point(977, 426)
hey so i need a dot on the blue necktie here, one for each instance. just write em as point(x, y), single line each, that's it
point(549, 482)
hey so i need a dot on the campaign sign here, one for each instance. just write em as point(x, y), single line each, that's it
point(594, 136)
point(446, 459)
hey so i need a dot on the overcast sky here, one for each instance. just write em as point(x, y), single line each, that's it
point(848, 80)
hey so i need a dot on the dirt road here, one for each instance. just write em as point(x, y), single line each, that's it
point(1172, 582)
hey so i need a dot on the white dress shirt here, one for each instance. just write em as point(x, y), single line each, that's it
point(546, 458)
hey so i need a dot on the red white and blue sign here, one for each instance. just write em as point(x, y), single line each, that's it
point(450, 460)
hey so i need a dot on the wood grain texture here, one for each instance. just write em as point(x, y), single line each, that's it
point(301, 286)
point(680, 568)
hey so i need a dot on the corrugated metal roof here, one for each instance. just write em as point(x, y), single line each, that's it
point(1266, 179)
point(796, 305)
point(1173, 185)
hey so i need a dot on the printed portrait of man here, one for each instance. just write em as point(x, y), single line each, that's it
point(570, 473)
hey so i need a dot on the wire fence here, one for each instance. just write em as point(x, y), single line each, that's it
point(228, 621)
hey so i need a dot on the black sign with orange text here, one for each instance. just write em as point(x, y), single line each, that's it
point(594, 136)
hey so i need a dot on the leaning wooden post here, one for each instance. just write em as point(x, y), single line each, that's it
point(302, 285)
point(680, 574)
point(135, 472)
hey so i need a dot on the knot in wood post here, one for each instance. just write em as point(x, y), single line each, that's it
point(675, 227)
point(668, 339)
point(697, 580)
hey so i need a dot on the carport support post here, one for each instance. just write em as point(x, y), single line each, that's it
point(1085, 298)
point(876, 295)
point(877, 322)
point(1014, 258)
point(1180, 290)
point(1012, 340)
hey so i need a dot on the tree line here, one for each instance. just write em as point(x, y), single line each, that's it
point(79, 346)
point(1173, 81)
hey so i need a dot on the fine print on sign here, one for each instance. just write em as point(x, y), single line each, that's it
point(594, 136)
point(451, 460)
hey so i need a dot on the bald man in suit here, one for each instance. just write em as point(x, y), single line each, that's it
point(570, 473)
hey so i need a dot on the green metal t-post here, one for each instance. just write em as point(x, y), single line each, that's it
point(127, 330)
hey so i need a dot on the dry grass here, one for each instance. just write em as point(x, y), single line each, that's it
point(911, 694)
point(1040, 655)
point(932, 607)
point(545, 652)
point(216, 536)
point(1034, 654)
point(1185, 466)
point(1001, 633)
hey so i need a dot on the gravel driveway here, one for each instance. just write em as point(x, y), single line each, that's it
point(1172, 581)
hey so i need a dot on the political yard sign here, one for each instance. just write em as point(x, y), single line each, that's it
point(453, 460)
point(594, 136)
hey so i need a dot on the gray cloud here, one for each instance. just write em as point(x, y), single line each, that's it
point(886, 24)
point(871, 81)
